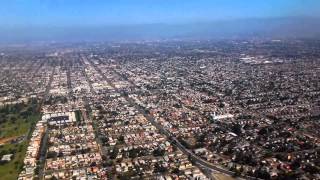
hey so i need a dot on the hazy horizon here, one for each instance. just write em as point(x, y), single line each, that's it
point(45, 20)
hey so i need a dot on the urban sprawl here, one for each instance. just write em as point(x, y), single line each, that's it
point(231, 109)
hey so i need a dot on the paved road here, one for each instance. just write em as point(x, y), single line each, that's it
point(46, 92)
point(43, 148)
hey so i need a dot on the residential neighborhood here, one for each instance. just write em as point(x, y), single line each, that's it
point(164, 110)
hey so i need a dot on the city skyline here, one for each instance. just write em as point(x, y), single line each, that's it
point(159, 89)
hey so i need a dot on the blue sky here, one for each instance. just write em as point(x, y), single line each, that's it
point(113, 12)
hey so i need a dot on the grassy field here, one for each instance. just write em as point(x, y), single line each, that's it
point(21, 126)
point(12, 169)
point(16, 121)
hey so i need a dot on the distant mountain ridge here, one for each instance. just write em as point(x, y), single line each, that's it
point(293, 27)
